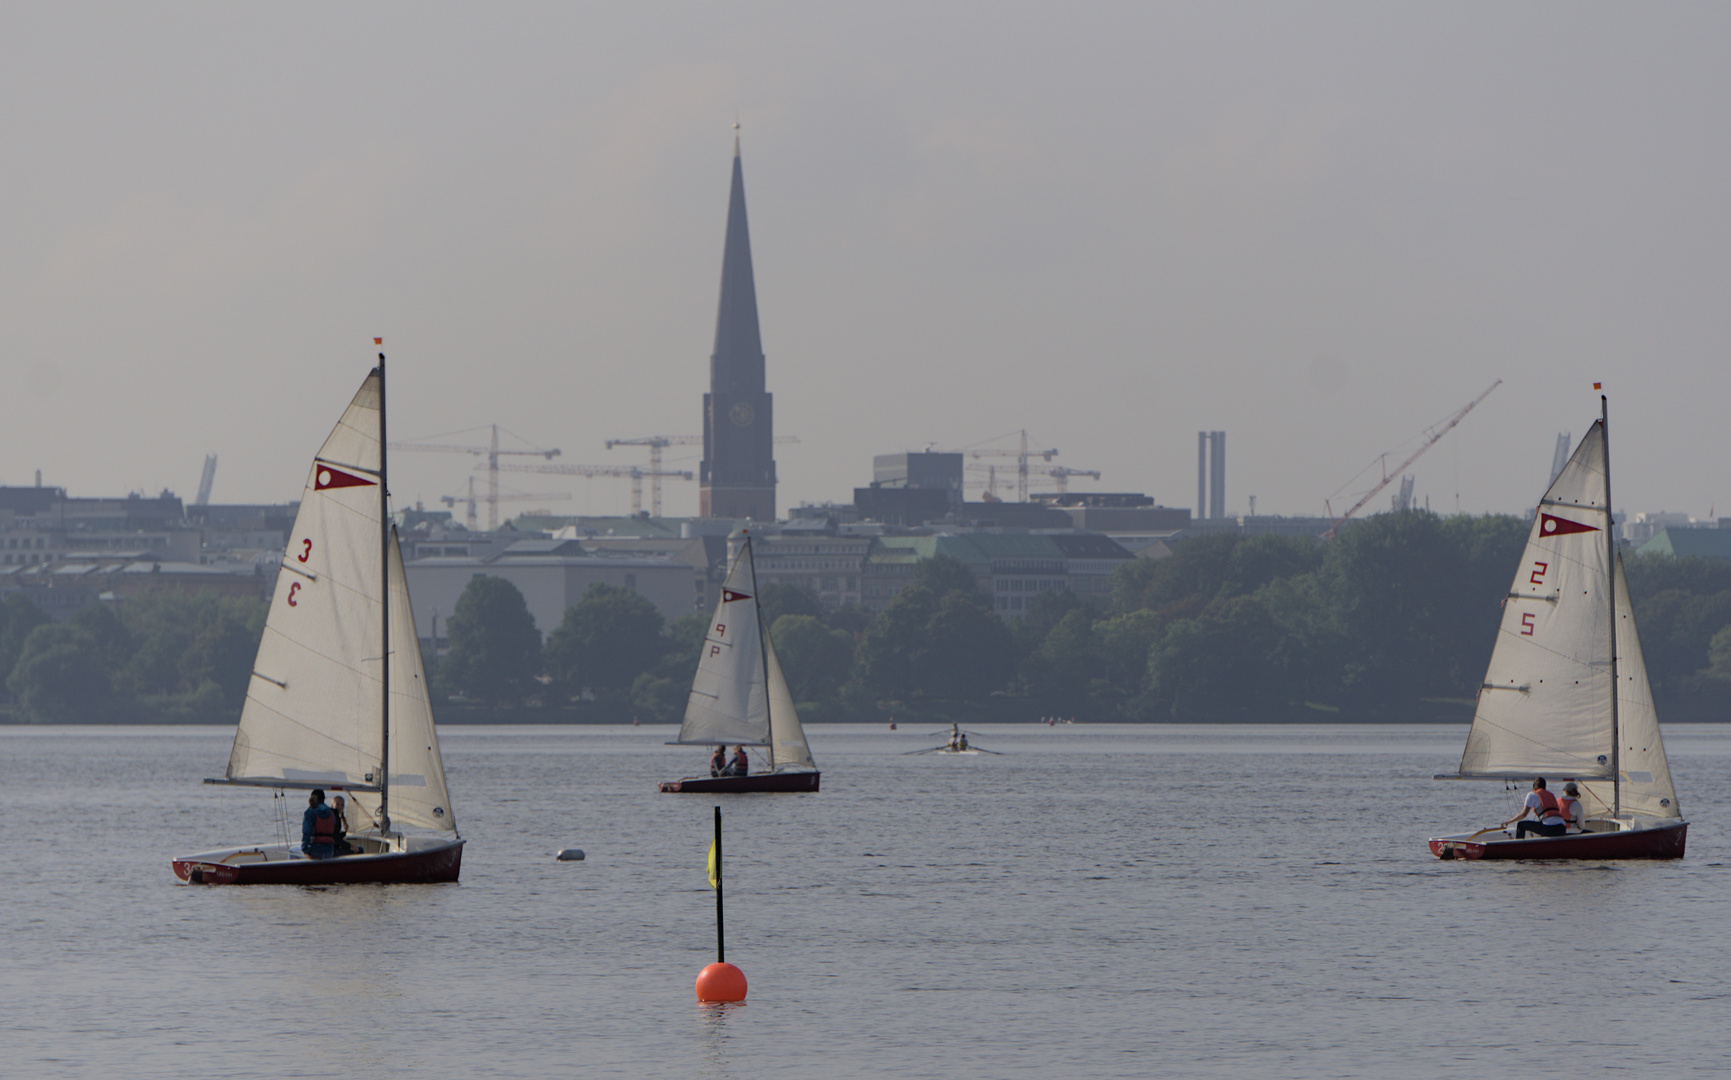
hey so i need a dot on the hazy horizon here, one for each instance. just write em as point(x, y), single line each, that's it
point(1319, 229)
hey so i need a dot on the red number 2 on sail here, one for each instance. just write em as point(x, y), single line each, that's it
point(1526, 624)
point(1536, 579)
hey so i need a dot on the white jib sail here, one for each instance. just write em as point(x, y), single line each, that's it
point(788, 749)
point(1646, 775)
point(1544, 708)
point(312, 710)
point(418, 792)
point(729, 702)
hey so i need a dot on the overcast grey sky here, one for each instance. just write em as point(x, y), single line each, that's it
point(1318, 227)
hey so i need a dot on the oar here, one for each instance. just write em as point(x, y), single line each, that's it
point(927, 750)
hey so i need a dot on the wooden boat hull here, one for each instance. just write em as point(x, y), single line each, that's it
point(742, 785)
point(274, 864)
point(1660, 842)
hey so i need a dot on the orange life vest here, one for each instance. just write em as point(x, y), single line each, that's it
point(1566, 808)
point(325, 826)
point(1548, 806)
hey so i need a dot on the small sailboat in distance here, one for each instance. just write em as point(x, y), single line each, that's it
point(1566, 695)
point(338, 699)
point(739, 697)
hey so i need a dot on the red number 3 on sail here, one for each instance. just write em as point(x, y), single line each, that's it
point(306, 550)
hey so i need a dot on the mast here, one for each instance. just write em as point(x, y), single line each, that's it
point(384, 615)
point(763, 648)
point(1611, 607)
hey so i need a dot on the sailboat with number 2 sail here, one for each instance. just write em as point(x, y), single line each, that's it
point(739, 697)
point(1566, 695)
point(338, 698)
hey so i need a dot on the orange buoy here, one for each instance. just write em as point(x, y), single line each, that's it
point(721, 982)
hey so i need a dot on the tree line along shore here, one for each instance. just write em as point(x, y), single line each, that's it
point(1393, 621)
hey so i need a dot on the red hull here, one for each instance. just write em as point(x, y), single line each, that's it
point(740, 785)
point(433, 865)
point(1664, 842)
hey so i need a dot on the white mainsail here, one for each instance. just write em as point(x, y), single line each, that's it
point(729, 702)
point(739, 695)
point(313, 707)
point(1545, 706)
point(1546, 703)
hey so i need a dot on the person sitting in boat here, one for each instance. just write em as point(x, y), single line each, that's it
point(962, 741)
point(341, 840)
point(318, 828)
point(741, 765)
point(956, 740)
point(1543, 806)
point(1574, 814)
point(718, 761)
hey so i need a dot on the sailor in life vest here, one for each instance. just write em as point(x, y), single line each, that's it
point(1574, 814)
point(318, 828)
point(1543, 806)
point(741, 764)
point(718, 761)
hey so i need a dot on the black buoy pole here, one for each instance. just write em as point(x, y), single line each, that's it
point(720, 939)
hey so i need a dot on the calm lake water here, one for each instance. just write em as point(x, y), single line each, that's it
point(1184, 901)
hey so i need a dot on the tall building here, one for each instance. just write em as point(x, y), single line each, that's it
point(738, 472)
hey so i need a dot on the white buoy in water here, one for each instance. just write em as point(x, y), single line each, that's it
point(571, 854)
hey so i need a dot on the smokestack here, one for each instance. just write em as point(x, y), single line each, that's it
point(1217, 481)
point(1201, 474)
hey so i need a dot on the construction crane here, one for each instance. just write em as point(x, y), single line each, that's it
point(635, 472)
point(1022, 455)
point(1059, 473)
point(1431, 435)
point(206, 480)
point(470, 500)
point(656, 444)
point(492, 453)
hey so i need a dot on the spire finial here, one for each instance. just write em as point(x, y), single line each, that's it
point(736, 134)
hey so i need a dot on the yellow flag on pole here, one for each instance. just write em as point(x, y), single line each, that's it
point(714, 868)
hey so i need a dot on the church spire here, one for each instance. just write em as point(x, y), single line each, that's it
point(737, 363)
point(738, 470)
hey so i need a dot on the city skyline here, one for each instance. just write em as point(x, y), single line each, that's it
point(1318, 231)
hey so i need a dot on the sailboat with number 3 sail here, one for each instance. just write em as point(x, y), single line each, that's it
point(338, 698)
point(739, 697)
point(1566, 696)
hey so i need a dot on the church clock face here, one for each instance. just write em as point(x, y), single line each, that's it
point(741, 414)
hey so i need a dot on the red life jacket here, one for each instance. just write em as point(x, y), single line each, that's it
point(741, 763)
point(1548, 806)
point(1566, 808)
point(325, 826)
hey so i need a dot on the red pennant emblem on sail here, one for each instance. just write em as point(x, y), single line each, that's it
point(728, 596)
point(1556, 526)
point(329, 478)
